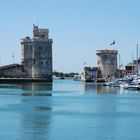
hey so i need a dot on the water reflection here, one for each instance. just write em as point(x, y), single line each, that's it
point(36, 89)
point(63, 117)
point(27, 89)
point(36, 86)
point(31, 106)
point(36, 111)
point(92, 88)
point(34, 126)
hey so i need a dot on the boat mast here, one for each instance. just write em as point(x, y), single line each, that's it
point(132, 64)
point(119, 65)
point(137, 59)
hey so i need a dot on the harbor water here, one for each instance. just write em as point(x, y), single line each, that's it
point(68, 110)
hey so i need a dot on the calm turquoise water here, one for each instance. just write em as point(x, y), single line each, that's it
point(68, 110)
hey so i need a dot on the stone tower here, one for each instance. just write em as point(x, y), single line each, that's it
point(107, 62)
point(36, 54)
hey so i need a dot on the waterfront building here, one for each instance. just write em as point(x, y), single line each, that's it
point(36, 58)
point(130, 69)
point(107, 62)
point(90, 74)
point(36, 54)
point(133, 68)
point(137, 65)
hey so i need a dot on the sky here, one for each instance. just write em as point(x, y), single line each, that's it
point(78, 28)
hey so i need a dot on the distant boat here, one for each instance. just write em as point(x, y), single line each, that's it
point(77, 77)
point(108, 84)
point(131, 86)
point(62, 78)
point(115, 83)
point(54, 77)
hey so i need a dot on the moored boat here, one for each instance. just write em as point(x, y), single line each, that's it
point(132, 86)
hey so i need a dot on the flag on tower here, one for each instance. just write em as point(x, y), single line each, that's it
point(113, 43)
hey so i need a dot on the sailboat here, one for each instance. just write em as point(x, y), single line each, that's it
point(135, 84)
point(132, 86)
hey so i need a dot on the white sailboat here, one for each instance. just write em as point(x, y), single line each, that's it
point(135, 84)
point(132, 86)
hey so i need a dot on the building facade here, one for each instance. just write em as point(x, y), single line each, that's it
point(90, 74)
point(36, 54)
point(36, 58)
point(130, 69)
point(107, 62)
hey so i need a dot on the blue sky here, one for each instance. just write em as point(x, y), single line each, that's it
point(77, 27)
